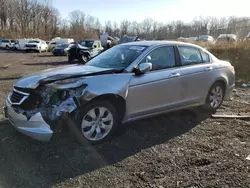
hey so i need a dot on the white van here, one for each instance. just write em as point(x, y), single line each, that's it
point(54, 42)
point(20, 44)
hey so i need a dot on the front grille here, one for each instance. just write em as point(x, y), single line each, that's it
point(17, 97)
point(30, 45)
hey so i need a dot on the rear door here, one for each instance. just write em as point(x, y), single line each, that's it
point(197, 73)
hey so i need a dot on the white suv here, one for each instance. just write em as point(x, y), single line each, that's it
point(5, 43)
point(36, 45)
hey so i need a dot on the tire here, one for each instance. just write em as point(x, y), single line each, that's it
point(105, 124)
point(83, 59)
point(215, 97)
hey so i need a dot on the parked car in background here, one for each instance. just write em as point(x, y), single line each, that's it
point(117, 38)
point(112, 41)
point(181, 39)
point(56, 41)
point(13, 43)
point(94, 46)
point(127, 38)
point(75, 51)
point(227, 38)
point(36, 45)
point(5, 43)
point(191, 39)
point(20, 43)
point(206, 38)
point(128, 82)
point(60, 49)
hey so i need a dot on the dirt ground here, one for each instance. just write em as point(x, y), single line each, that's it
point(180, 149)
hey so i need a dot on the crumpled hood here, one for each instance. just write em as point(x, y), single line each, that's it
point(64, 72)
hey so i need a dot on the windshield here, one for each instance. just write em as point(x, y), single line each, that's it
point(87, 43)
point(118, 57)
point(33, 41)
point(203, 37)
point(62, 45)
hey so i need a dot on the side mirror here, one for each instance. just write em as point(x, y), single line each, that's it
point(143, 68)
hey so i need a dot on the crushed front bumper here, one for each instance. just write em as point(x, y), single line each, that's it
point(35, 127)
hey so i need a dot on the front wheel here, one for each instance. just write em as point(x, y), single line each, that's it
point(98, 120)
point(215, 97)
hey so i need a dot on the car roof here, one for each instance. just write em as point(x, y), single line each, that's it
point(159, 42)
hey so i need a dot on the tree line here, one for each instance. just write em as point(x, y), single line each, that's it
point(36, 19)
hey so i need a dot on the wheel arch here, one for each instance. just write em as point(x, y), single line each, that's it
point(222, 81)
point(116, 100)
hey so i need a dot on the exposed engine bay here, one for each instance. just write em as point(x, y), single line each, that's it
point(49, 100)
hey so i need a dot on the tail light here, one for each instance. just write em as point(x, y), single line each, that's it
point(232, 68)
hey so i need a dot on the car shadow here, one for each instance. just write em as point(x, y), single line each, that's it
point(62, 158)
point(47, 63)
point(46, 55)
point(11, 51)
point(10, 78)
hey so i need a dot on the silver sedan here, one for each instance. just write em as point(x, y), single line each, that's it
point(125, 83)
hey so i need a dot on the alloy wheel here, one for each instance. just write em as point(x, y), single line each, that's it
point(216, 96)
point(97, 123)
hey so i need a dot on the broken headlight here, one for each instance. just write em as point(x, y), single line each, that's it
point(67, 83)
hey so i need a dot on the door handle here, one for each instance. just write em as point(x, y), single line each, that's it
point(174, 74)
point(208, 68)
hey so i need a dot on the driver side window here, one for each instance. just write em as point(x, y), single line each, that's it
point(161, 58)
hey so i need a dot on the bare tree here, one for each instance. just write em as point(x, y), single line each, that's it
point(35, 18)
point(124, 27)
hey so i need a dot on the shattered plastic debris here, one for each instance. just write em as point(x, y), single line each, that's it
point(244, 85)
point(248, 158)
point(66, 106)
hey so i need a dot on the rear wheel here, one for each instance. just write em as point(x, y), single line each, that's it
point(98, 120)
point(215, 97)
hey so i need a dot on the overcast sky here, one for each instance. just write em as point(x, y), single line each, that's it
point(159, 10)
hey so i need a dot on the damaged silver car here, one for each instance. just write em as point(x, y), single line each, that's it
point(125, 83)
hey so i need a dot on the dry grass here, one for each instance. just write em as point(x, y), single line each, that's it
point(237, 54)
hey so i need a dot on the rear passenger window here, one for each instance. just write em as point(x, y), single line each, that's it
point(205, 57)
point(189, 55)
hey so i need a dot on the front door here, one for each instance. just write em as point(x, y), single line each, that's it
point(157, 90)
